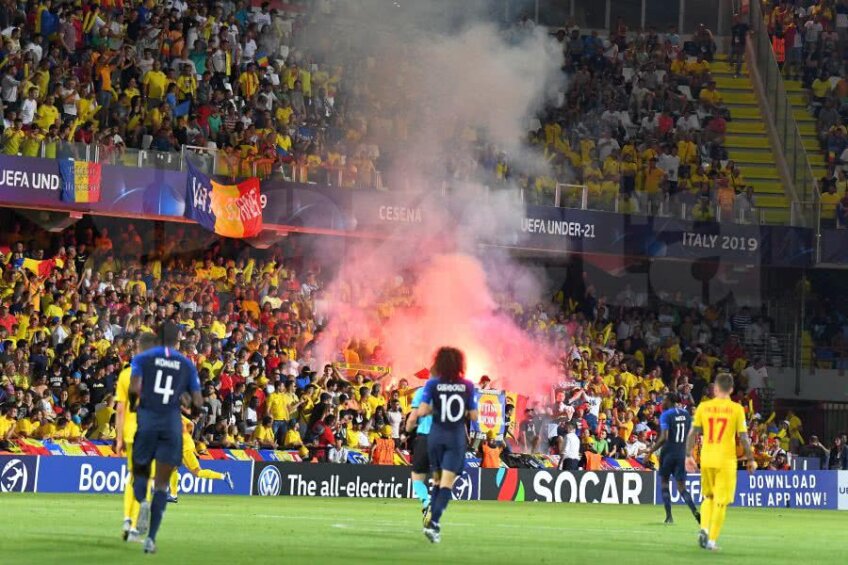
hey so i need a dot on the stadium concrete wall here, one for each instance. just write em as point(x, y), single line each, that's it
point(828, 385)
point(826, 490)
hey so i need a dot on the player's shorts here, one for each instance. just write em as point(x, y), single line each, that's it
point(447, 453)
point(420, 457)
point(190, 460)
point(164, 446)
point(673, 466)
point(719, 482)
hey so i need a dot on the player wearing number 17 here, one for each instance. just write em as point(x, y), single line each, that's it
point(720, 421)
point(450, 399)
point(159, 379)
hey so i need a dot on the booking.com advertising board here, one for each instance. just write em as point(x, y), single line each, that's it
point(106, 475)
point(824, 490)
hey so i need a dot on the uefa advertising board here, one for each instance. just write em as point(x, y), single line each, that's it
point(824, 490)
point(158, 194)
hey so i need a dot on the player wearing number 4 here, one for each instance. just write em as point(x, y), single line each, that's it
point(160, 377)
point(450, 399)
point(674, 428)
point(720, 420)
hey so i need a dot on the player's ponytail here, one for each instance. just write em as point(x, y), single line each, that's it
point(449, 364)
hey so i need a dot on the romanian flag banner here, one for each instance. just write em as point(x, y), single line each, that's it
point(228, 210)
point(42, 268)
point(80, 181)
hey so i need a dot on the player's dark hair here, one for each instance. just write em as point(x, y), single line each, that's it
point(168, 334)
point(449, 364)
point(724, 381)
point(673, 398)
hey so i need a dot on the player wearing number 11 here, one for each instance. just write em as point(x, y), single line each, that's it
point(160, 376)
point(719, 420)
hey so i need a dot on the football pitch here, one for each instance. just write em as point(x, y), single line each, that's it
point(45, 528)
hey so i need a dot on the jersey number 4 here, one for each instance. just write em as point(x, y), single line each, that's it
point(712, 423)
point(166, 390)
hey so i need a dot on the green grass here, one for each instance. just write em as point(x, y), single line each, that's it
point(86, 529)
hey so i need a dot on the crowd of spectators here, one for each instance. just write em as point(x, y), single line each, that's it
point(809, 40)
point(125, 74)
point(641, 123)
point(250, 320)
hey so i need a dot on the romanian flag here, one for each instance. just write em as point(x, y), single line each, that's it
point(230, 210)
point(80, 181)
point(42, 268)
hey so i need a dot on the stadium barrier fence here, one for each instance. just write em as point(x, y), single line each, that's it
point(826, 490)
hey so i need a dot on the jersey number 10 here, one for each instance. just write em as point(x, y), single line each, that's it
point(166, 390)
point(453, 407)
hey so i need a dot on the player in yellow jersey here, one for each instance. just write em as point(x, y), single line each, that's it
point(125, 427)
point(719, 421)
point(191, 463)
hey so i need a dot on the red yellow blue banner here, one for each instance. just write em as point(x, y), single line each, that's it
point(229, 210)
point(80, 181)
point(491, 405)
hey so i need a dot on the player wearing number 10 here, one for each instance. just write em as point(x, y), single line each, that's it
point(160, 376)
point(720, 420)
point(450, 399)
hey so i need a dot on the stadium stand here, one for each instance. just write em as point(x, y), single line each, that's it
point(74, 304)
point(650, 124)
point(245, 91)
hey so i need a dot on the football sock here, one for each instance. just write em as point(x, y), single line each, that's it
point(666, 496)
point(421, 492)
point(157, 509)
point(687, 498)
point(434, 492)
point(706, 512)
point(717, 520)
point(140, 488)
point(440, 503)
point(209, 474)
point(175, 479)
point(130, 503)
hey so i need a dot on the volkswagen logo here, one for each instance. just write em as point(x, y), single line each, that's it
point(14, 477)
point(269, 482)
point(462, 487)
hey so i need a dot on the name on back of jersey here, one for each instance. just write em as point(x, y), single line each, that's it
point(448, 387)
point(167, 363)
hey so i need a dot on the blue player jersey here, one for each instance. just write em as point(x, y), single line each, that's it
point(165, 375)
point(450, 402)
point(424, 422)
point(677, 422)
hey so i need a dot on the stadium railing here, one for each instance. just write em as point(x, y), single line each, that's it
point(803, 212)
point(579, 196)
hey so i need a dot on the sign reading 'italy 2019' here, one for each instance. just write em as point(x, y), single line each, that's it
point(239, 212)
